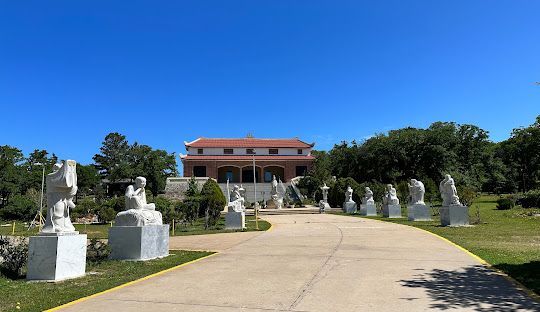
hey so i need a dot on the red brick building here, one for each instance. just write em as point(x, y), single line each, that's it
point(232, 159)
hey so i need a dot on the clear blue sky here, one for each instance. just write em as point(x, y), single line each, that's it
point(162, 72)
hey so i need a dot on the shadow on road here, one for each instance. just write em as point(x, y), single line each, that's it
point(476, 288)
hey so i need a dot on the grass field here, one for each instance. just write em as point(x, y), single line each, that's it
point(19, 295)
point(507, 239)
point(101, 230)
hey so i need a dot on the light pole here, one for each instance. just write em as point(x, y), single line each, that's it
point(256, 206)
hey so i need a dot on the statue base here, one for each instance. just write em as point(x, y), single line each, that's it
point(349, 207)
point(323, 206)
point(139, 243)
point(235, 220)
point(392, 211)
point(56, 256)
point(454, 215)
point(368, 210)
point(419, 212)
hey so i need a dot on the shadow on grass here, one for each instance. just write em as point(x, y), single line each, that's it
point(526, 273)
point(476, 288)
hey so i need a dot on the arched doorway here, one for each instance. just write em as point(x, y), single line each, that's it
point(229, 172)
point(271, 171)
point(247, 174)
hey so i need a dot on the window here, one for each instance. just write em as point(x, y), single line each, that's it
point(273, 151)
point(299, 151)
point(250, 151)
point(199, 171)
point(228, 151)
point(199, 151)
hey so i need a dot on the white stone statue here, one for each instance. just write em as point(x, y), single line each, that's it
point(368, 197)
point(325, 189)
point(138, 212)
point(348, 195)
point(277, 194)
point(390, 196)
point(416, 192)
point(448, 190)
point(236, 203)
point(61, 188)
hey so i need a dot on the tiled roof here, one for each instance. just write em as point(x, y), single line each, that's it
point(247, 157)
point(249, 143)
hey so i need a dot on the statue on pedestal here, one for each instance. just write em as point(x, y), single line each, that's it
point(348, 195)
point(416, 192)
point(138, 212)
point(368, 197)
point(323, 204)
point(276, 194)
point(448, 190)
point(61, 188)
point(390, 196)
point(236, 202)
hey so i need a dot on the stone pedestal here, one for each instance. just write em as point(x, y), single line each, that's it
point(139, 242)
point(323, 206)
point(235, 220)
point(419, 212)
point(368, 210)
point(392, 211)
point(56, 256)
point(454, 215)
point(349, 207)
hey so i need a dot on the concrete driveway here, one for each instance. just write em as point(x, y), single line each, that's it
point(324, 263)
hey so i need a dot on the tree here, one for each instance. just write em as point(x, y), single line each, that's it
point(213, 201)
point(10, 173)
point(113, 162)
point(192, 201)
point(154, 165)
point(88, 180)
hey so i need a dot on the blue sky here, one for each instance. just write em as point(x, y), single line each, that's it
point(162, 72)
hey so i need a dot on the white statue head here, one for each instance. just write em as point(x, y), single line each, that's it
point(447, 177)
point(413, 181)
point(389, 186)
point(367, 189)
point(140, 182)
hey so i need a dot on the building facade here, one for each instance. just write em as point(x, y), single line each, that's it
point(232, 159)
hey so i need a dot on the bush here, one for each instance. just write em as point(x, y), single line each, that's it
point(212, 201)
point(84, 207)
point(167, 208)
point(106, 214)
point(336, 194)
point(20, 207)
point(505, 204)
point(530, 199)
point(466, 195)
point(13, 256)
point(97, 250)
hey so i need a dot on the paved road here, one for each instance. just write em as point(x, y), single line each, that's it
point(325, 263)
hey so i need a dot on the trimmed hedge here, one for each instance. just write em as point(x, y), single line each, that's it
point(505, 204)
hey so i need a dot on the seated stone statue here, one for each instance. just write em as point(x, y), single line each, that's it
point(390, 197)
point(236, 203)
point(138, 212)
point(368, 197)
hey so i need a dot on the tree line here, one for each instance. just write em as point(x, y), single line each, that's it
point(462, 150)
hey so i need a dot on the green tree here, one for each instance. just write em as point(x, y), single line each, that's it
point(192, 201)
point(213, 201)
point(11, 174)
point(113, 162)
point(88, 180)
point(20, 207)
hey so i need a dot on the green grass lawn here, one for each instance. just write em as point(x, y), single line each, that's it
point(507, 239)
point(100, 276)
point(101, 230)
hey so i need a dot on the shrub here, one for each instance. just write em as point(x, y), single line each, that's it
point(466, 195)
point(336, 194)
point(97, 250)
point(530, 199)
point(212, 201)
point(84, 207)
point(106, 214)
point(505, 204)
point(13, 256)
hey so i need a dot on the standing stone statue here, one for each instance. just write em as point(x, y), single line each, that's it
point(391, 207)
point(138, 232)
point(61, 188)
point(448, 190)
point(277, 193)
point(349, 206)
point(416, 192)
point(367, 208)
point(452, 212)
point(323, 204)
point(138, 212)
point(417, 209)
point(58, 252)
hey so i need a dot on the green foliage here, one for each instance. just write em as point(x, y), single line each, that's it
point(13, 256)
point(20, 207)
point(336, 194)
point(84, 207)
point(466, 195)
point(167, 208)
point(505, 203)
point(10, 173)
point(106, 214)
point(97, 250)
point(88, 180)
point(212, 201)
point(530, 199)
